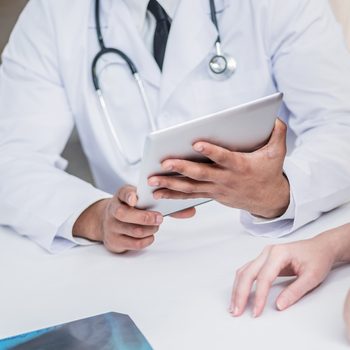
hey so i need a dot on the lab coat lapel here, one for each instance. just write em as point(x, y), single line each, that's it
point(145, 62)
point(130, 41)
point(191, 39)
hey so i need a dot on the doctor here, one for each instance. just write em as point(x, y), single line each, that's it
point(178, 55)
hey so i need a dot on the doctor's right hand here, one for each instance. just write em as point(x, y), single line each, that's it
point(119, 225)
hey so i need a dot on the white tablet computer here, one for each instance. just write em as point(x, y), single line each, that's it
point(243, 128)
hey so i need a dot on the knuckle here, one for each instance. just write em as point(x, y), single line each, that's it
point(264, 279)
point(107, 242)
point(244, 166)
point(188, 187)
point(314, 277)
point(138, 231)
point(226, 181)
point(223, 157)
point(111, 242)
point(164, 182)
point(277, 250)
point(239, 272)
point(268, 248)
point(200, 173)
point(179, 167)
point(138, 245)
point(120, 213)
point(147, 218)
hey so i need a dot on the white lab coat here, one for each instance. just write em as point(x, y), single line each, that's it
point(294, 46)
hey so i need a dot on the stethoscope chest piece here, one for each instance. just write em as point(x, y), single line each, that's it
point(222, 66)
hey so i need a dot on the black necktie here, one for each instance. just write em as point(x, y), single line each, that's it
point(162, 31)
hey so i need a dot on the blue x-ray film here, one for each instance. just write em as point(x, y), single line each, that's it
point(110, 331)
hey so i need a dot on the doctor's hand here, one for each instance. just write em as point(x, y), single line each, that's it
point(250, 181)
point(119, 225)
point(309, 260)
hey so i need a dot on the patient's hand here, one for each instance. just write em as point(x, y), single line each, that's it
point(309, 260)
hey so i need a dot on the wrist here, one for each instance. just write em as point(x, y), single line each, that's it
point(277, 199)
point(89, 223)
point(337, 243)
point(340, 243)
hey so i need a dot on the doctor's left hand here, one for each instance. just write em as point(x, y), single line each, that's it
point(119, 225)
point(250, 181)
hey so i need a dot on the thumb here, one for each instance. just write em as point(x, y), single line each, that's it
point(127, 194)
point(277, 144)
point(295, 291)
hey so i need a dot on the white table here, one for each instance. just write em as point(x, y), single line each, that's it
point(177, 291)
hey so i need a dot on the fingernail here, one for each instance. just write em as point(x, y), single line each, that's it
point(157, 195)
point(167, 166)
point(198, 147)
point(159, 219)
point(131, 199)
point(282, 303)
point(153, 182)
point(255, 312)
point(236, 311)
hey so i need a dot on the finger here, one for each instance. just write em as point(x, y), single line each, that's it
point(295, 291)
point(184, 214)
point(131, 215)
point(267, 275)
point(276, 147)
point(132, 230)
point(234, 287)
point(121, 243)
point(127, 194)
point(170, 194)
point(219, 155)
point(180, 184)
point(194, 170)
point(244, 280)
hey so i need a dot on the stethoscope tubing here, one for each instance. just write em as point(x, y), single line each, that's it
point(221, 67)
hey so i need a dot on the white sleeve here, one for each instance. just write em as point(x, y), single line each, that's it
point(36, 196)
point(311, 66)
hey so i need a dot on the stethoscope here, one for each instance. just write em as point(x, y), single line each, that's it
point(221, 66)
